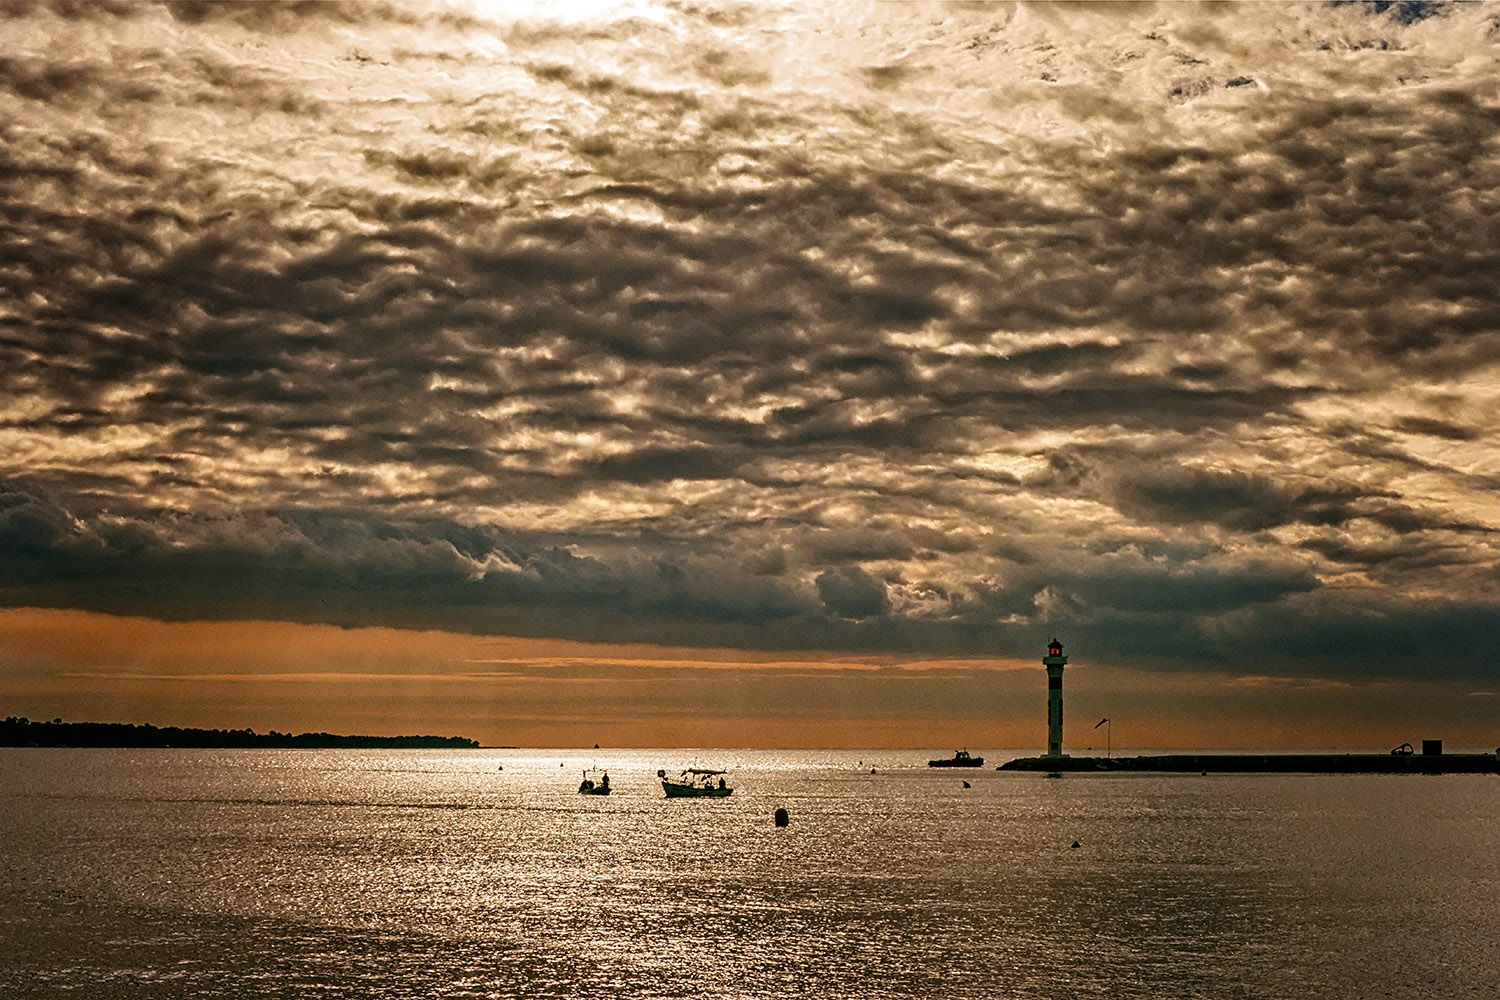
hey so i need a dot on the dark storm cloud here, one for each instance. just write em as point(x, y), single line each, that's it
point(656, 464)
point(1386, 557)
point(850, 592)
point(1237, 500)
point(1432, 639)
point(357, 570)
point(1438, 428)
point(660, 346)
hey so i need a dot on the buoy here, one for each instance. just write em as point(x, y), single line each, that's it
point(967, 785)
point(1077, 844)
point(872, 770)
point(782, 819)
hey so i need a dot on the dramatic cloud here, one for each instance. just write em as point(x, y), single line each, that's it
point(920, 327)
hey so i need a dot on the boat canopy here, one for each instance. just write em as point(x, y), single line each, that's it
point(701, 770)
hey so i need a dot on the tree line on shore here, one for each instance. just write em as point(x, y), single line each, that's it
point(22, 732)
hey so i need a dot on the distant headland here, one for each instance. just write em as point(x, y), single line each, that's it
point(22, 732)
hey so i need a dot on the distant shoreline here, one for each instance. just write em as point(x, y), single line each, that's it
point(22, 732)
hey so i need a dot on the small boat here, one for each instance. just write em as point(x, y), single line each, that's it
point(695, 783)
point(960, 758)
point(591, 787)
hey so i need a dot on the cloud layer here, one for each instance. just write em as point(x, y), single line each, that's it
point(917, 328)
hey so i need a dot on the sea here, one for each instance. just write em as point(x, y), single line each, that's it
point(483, 873)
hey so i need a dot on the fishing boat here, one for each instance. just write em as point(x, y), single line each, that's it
point(591, 787)
point(695, 783)
point(960, 758)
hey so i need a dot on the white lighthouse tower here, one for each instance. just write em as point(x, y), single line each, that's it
point(1054, 661)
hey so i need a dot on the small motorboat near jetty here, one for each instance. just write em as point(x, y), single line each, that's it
point(695, 783)
point(591, 787)
point(960, 758)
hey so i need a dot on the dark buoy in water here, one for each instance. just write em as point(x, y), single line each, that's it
point(782, 819)
point(1497, 754)
point(967, 785)
point(1077, 844)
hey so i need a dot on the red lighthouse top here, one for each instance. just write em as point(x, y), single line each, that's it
point(1054, 657)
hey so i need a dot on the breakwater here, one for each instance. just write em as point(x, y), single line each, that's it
point(1312, 763)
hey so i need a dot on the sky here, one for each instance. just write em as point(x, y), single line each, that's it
point(773, 374)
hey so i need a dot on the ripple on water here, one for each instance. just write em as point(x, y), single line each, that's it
point(356, 875)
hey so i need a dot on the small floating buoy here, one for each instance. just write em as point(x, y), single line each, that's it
point(782, 819)
point(872, 770)
point(967, 785)
point(1077, 844)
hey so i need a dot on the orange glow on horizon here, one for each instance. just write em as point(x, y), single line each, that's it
point(508, 691)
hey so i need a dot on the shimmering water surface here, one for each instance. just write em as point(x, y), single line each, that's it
point(180, 873)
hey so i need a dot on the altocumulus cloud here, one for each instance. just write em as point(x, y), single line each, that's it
point(905, 327)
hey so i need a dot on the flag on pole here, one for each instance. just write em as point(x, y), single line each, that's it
point(1100, 723)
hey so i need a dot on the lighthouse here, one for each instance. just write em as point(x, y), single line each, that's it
point(1054, 661)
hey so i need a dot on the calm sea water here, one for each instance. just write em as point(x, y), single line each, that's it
point(185, 873)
